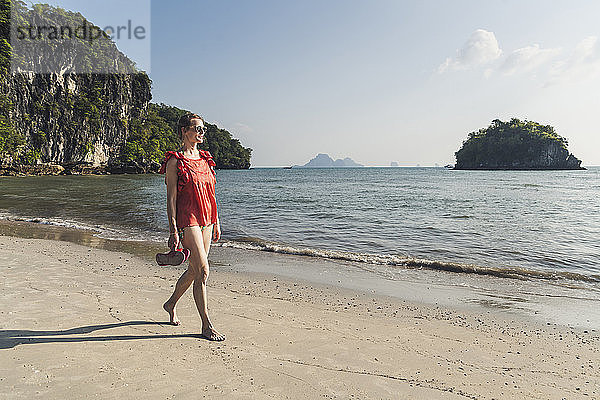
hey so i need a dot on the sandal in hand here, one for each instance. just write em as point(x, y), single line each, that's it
point(173, 257)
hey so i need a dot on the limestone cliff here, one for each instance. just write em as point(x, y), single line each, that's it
point(71, 119)
point(64, 121)
point(65, 118)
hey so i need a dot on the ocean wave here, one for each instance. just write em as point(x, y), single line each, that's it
point(252, 243)
point(98, 230)
point(531, 185)
point(408, 262)
point(50, 221)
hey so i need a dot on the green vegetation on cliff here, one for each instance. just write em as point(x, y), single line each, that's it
point(5, 50)
point(156, 133)
point(515, 144)
point(10, 140)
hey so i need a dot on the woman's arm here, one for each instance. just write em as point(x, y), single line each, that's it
point(171, 181)
point(217, 230)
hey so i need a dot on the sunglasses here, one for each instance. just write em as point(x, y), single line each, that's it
point(198, 128)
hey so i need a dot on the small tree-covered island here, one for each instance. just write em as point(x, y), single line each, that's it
point(516, 145)
point(86, 123)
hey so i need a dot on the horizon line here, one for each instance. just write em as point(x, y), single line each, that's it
point(366, 166)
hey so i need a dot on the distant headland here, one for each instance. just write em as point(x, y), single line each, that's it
point(516, 145)
point(324, 161)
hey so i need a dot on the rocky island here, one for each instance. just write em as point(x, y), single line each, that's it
point(325, 161)
point(516, 145)
point(64, 122)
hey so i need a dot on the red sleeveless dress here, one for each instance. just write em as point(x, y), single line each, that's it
point(196, 202)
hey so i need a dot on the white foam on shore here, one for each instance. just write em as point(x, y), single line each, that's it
point(101, 231)
point(257, 244)
point(410, 262)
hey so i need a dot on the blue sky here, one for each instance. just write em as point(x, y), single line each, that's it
point(377, 81)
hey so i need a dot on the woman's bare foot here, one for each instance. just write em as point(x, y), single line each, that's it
point(212, 334)
point(170, 308)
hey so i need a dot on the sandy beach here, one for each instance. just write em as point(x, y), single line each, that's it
point(84, 322)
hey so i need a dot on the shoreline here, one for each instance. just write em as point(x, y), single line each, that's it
point(535, 301)
point(85, 169)
point(92, 321)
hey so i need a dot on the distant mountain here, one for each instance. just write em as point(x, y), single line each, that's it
point(324, 161)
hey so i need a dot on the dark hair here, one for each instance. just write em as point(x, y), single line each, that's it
point(186, 120)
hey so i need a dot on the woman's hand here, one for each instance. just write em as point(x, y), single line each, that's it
point(217, 232)
point(173, 241)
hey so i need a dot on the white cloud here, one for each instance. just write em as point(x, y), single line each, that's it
point(555, 65)
point(587, 51)
point(527, 59)
point(481, 48)
point(582, 64)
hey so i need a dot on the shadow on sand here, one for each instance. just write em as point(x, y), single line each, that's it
point(12, 338)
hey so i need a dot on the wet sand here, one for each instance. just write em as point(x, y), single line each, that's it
point(81, 322)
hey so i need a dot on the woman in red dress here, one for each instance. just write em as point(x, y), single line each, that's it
point(192, 213)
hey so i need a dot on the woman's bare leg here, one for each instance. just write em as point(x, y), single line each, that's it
point(184, 282)
point(195, 239)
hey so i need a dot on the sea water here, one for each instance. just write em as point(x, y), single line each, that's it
point(524, 224)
